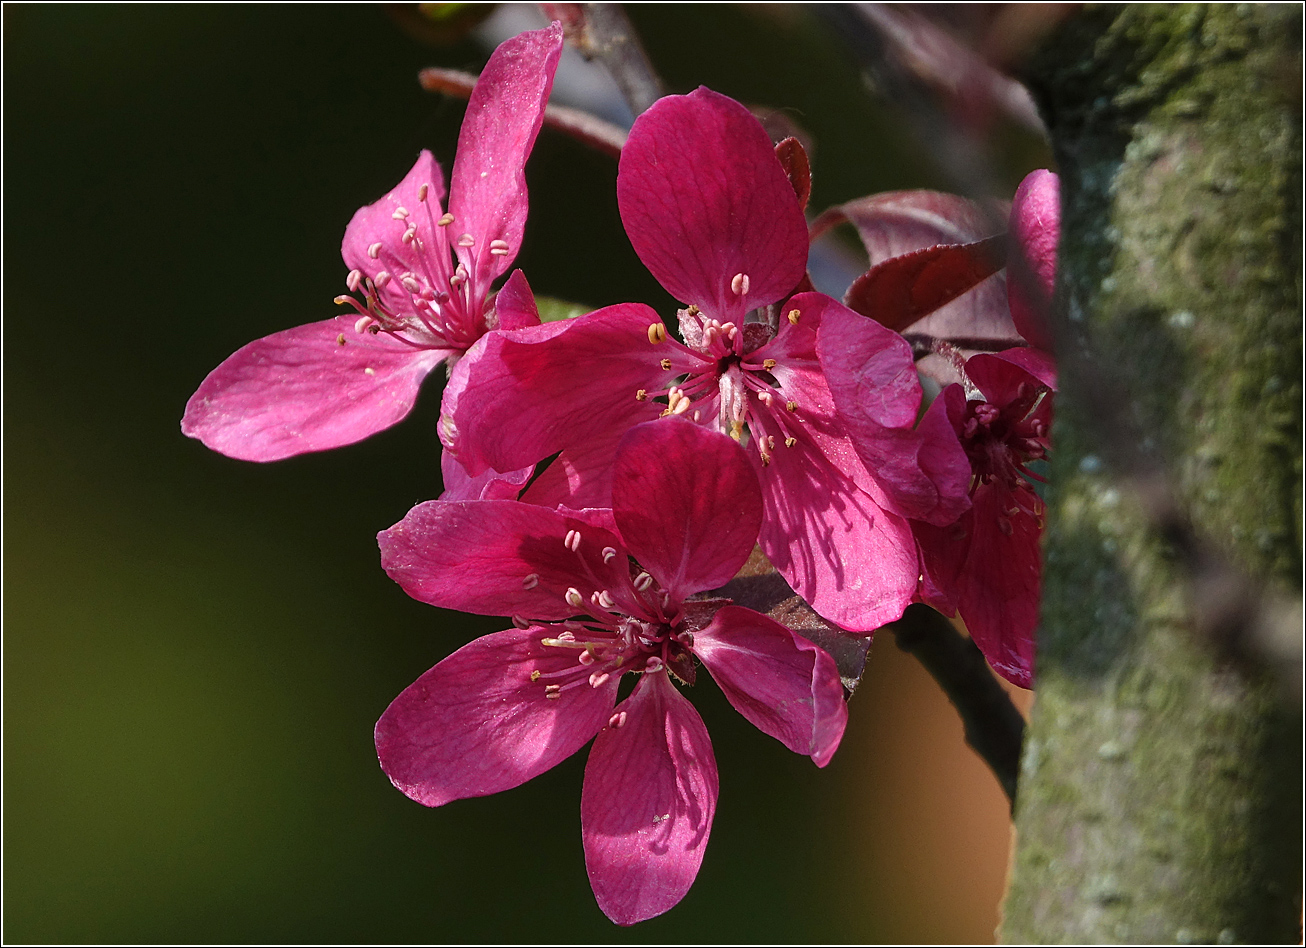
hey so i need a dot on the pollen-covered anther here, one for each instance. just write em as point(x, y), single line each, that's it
point(666, 365)
point(572, 540)
point(400, 214)
point(535, 675)
point(574, 598)
point(530, 581)
point(768, 364)
point(354, 280)
point(422, 191)
point(608, 554)
point(598, 678)
point(445, 220)
point(657, 333)
point(466, 240)
point(790, 442)
point(618, 720)
point(340, 339)
point(641, 394)
point(499, 248)
point(739, 284)
point(792, 316)
point(643, 581)
point(791, 406)
point(374, 251)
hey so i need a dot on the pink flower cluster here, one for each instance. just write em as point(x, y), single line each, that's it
point(780, 417)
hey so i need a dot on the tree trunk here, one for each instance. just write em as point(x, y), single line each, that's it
point(1160, 794)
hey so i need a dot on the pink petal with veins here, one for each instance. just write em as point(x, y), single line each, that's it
point(781, 682)
point(516, 398)
point(488, 188)
point(515, 303)
point(687, 504)
point(647, 805)
point(303, 389)
point(501, 557)
point(704, 199)
point(476, 723)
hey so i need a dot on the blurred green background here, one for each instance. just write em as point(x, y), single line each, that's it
point(196, 649)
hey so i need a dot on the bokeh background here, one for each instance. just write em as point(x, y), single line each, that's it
point(196, 649)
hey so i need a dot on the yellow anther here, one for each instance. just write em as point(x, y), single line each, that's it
point(666, 364)
point(641, 395)
point(792, 316)
point(340, 339)
point(790, 442)
point(445, 220)
point(766, 458)
point(657, 333)
point(737, 430)
point(792, 406)
point(693, 310)
point(769, 364)
point(535, 675)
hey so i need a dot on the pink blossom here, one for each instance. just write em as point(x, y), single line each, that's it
point(425, 276)
point(604, 593)
point(710, 211)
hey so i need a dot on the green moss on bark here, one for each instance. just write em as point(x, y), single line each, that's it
point(1160, 792)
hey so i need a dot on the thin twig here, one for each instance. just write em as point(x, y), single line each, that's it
point(602, 31)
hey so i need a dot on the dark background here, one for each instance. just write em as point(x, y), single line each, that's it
point(196, 649)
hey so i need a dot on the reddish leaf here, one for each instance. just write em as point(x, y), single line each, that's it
point(793, 157)
point(898, 222)
point(900, 290)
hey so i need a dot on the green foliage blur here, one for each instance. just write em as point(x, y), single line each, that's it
point(196, 649)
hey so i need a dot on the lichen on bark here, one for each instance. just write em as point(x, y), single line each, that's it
point(1160, 793)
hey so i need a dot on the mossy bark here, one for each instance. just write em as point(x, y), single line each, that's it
point(1160, 793)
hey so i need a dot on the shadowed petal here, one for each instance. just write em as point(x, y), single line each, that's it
point(1035, 229)
point(488, 485)
point(687, 503)
point(488, 188)
point(304, 389)
point(781, 682)
point(647, 805)
point(476, 723)
point(703, 198)
point(515, 303)
point(501, 557)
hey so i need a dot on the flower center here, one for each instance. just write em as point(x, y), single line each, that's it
point(1001, 442)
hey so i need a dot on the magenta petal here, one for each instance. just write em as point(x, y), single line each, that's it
point(476, 723)
point(704, 198)
point(518, 397)
point(488, 188)
point(647, 805)
point(853, 561)
point(515, 303)
point(1035, 229)
point(923, 472)
point(687, 503)
point(781, 682)
point(314, 387)
point(501, 557)
point(1036, 362)
point(488, 485)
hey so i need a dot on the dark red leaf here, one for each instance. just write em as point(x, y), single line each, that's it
point(793, 157)
point(900, 290)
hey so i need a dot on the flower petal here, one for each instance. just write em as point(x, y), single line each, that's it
point(704, 198)
point(781, 682)
point(687, 503)
point(314, 387)
point(924, 472)
point(1035, 229)
point(374, 240)
point(488, 485)
point(515, 303)
point(647, 806)
point(476, 723)
point(518, 397)
point(501, 557)
point(488, 189)
point(853, 561)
